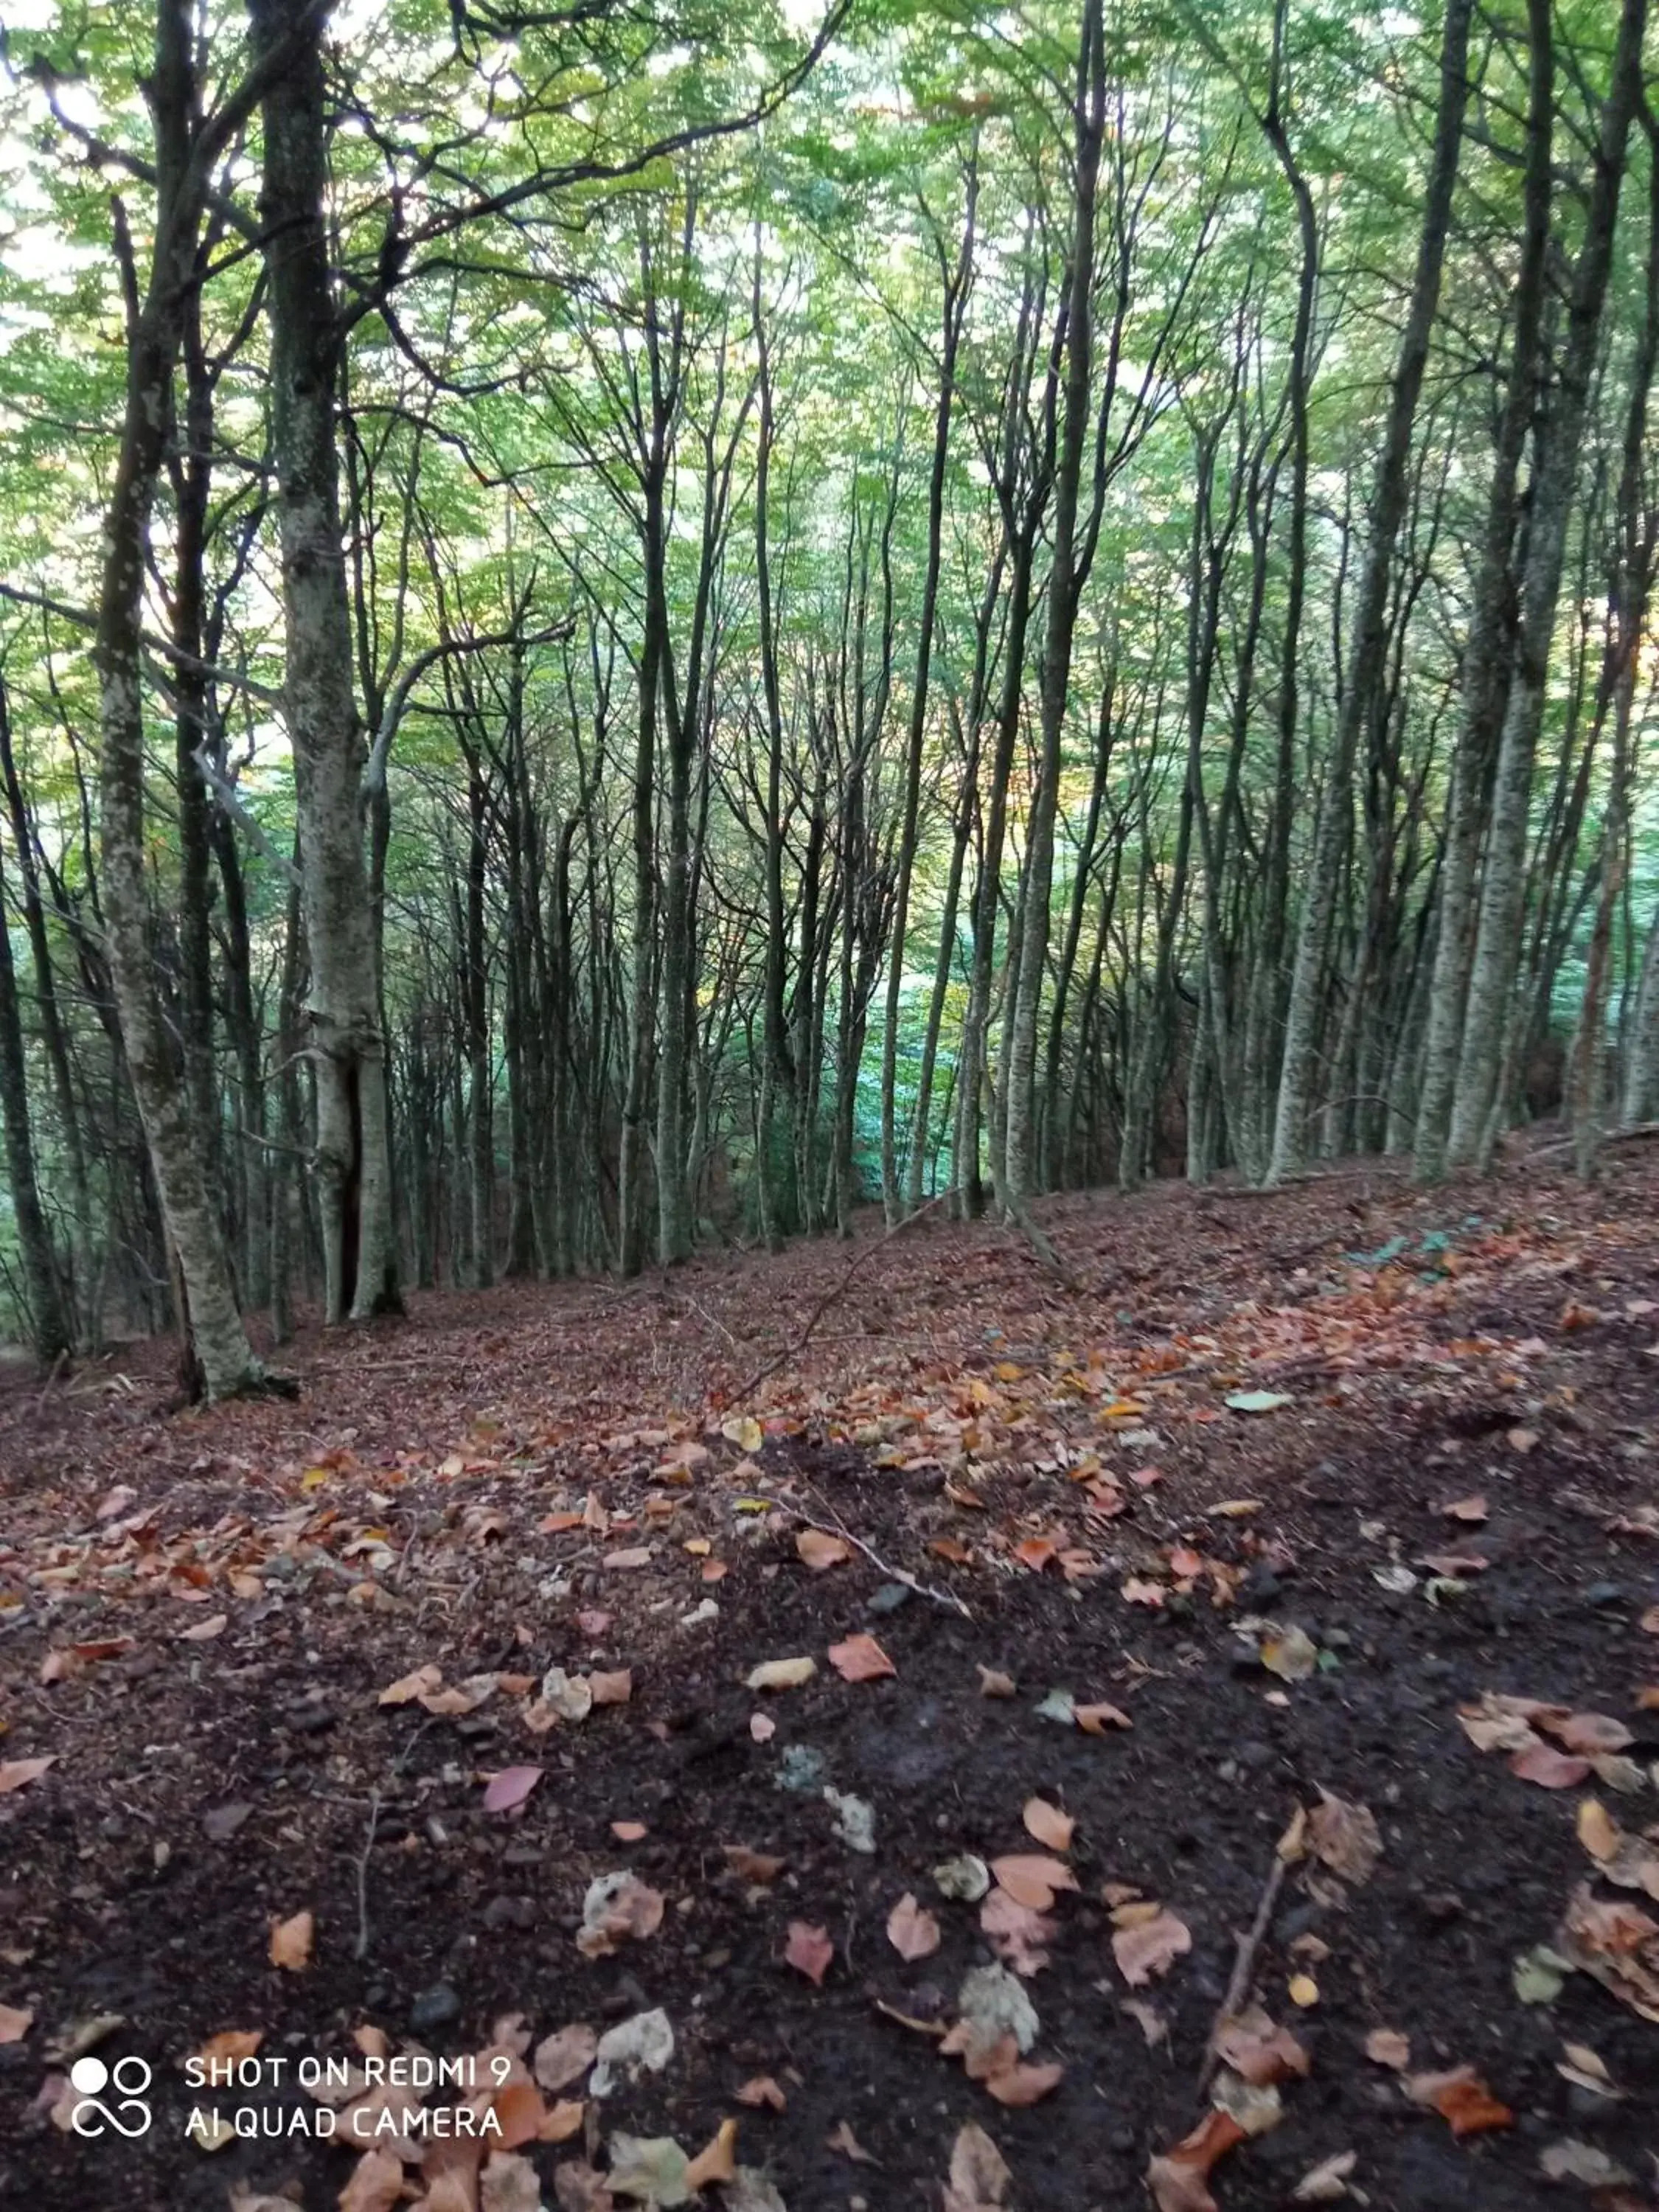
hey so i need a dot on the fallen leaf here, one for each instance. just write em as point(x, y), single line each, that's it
point(1047, 1824)
point(1150, 2022)
point(1290, 1653)
point(1032, 1880)
point(625, 1562)
point(1137, 1590)
point(1258, 2049)
point(18, 1773)
point(1152, 1949)
point(808, 1951)
point(205, 1631)
point(376, 2183)
point(510, 1787)
point(630, 1832)
point(762, 2090)
point(716, 2160)
point(912, 1929)
point(842, 2139)
point(818, 1550)
point(1255, 1401)
point(1386, 2046)
point(980, 2175)
point(965, 1878)
point(1570, 2161)
point(618, 1908)
point(782, 1674)
point(1344, 1836)
point(1302, 1990)
point(563, 2058)
point(1016, 1933)
point(291, 1940)
point(564, 2120)
point(642, 2043)
point(1551, 1769)
point(581, 2188)
point(14, 2024)
point(1020, 2085)
point(744, 1430)
point(1095, 1720)
point(753, 1866)
point(651, 2168)
point(1587, 1733)
point(407, 1688)
point(509, 2183)
point(1178, 2179)
point(229, 2045)
point(1471, 1510)
point(1597, 1831)
point(1461, 2098)
point(859, 1659)
point(1327, 2182)
point(762, 1727)
point(993, 1683)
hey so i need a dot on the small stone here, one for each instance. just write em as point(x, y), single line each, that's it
point(1434, 1668)
point(433, 2008)
point(1602, 1594)
point(1261, 1586)
point(890, 1597)
point(1256, 1756)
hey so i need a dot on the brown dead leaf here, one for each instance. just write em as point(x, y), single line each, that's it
point(753, 1866)
point(614, 1689)
point(228, 2046)
point(1587, 1733)
point(1471, 1510)
point(1343, 1835)
point(1032, 1880)
point(978, 2173)
point(1095, 1720)
point(763, 2090)
point(1047, 1824)
point(1551, 1769)
point(716, 2160)
point(407, 1688)
point(205, 1631)
point(13, 2024)
point(818, 1550)
point(1258, 2049)
point(520, 2114)
point(1021, 2084)
point(563, 2058)
point(912, 1929)
point(1016, 1933)
point(1386, 2046)
point(18, 1773)
point(564, 2120)
point(860, 1659)
point(1650, 1621)
point(626, 1910)
point(842, 2139)
point(291, 1940)
point(1152, 1949)
point(993, 1683)
point(376, 2183)
point(1461, 2098)
point(1178, 2179)
point(808, 1951)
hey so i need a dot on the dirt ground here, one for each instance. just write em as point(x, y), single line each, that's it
point(1267, 1612)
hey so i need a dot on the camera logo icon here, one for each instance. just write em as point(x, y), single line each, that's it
point(128, 2078)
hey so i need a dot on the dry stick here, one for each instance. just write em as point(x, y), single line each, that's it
point(362, 1951)
point(1249, 1945)
point(948, 1598)
point(859, 1258)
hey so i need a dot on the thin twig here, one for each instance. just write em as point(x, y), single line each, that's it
point(948, 1598)
point(362, 1875)
point(860, 1258)
point(1249, 1945)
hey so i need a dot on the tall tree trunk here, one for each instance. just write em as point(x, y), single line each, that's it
point(353, 1146)
point(1370, 646)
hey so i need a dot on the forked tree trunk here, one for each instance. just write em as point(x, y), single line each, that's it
point(354, 1150)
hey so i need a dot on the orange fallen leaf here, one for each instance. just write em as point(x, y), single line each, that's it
point(1050, 1826)
point(912, 1929)
point(564, 2120)
point(1461, 2098)
point(1095, 1720)
point(808, 1951)
point(229, 2045)
point(291, 1940)
point(717, 2161)
point(1036, 1551)
point(1032, 1880)
point(519, 2114)
point(1178, 2179)
point(818, 1550)
point(860, 1659)
point(1647, 1697)
point(420, 1684)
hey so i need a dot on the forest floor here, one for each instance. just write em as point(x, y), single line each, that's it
point(1184, 1600)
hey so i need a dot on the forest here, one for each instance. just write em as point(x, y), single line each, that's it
point(620, 634)
point(829, 1055)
